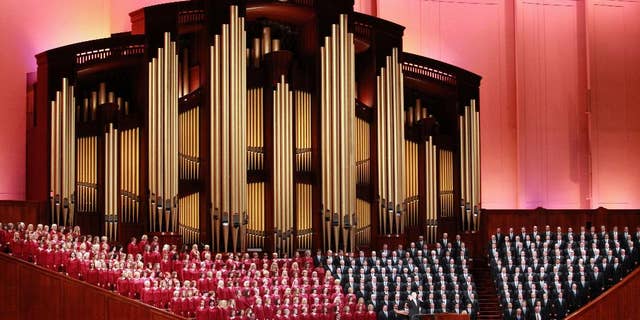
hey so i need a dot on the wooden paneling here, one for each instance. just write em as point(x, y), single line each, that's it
point(21, 211)
point(619, 302)
point(32, 292)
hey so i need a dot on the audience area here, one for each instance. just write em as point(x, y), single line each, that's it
point(547, 274)
point(196, 283)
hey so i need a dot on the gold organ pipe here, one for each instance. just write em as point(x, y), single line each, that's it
point(266, 40)
point(163, 139)
point(476, 146)
point(275, 45)
point(62, 145)
point(225, 133)
point(324, 203)
point(102, 93)
point(243, 132)
point(63, 156)
point(215, 142)
point(94, 105)
point(185, 72)
point(380, 167)
point(152, 143)
point(85, 110)
point(58, 166)
point(334, 143)
point(342, 129)
point(228, 133)
point(255, 52)
point(338, 100)
point(463, 195)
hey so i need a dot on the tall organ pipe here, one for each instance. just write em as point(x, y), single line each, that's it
point(63, 158)
point(338, 121)
point(391, 158)
point(163, 138)
point(469, 128)
point(228, 134)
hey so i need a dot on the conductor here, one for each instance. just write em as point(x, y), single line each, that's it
point(414, 307)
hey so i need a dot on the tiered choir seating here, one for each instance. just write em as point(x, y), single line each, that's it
point(198, 283)
point(384, 280)
point(553, 273)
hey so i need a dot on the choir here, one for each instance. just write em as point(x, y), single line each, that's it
point(549, 274)
point(197, 283)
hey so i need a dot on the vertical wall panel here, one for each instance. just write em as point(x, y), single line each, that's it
point(551, 105)
point(614, 47)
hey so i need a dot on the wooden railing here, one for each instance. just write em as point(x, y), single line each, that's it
point(28, 291)
point(619, 302)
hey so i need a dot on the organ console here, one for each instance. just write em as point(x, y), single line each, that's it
point(256, 125)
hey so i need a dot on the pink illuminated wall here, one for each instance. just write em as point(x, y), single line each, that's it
point(541, 61)
point(551, 93)
point(614, 68)
point(29, 27)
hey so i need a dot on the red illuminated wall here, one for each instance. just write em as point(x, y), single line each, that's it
point(560, 92)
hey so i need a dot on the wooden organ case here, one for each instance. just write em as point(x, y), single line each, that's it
point(255, 125)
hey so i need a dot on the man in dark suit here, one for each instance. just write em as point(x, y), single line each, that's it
point(385, 314)
point(575, 298)
point(509, 313)
point(445, 240)
point(537, 314)
point(560, 307)
point(519, 315)
point(597, 281)
point(318, 260)
point(420, 242)
point(499, 236)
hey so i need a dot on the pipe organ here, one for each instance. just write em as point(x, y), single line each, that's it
point(363, 223)
point(62, 148)
point(233, 125)
point(469, 124)
point(363, 152)
point(338, 130)
point(189, 221)
point(390, 97)
point(111, 182)
point(303, 209)
point(228, 134)
point(129, 175)
point(163, 138)
point(255, 128)
point(303, 130)
point(283, 167)
point(87, 181)
point(431, 206)
point(411, 183)
point(255, 230)
point(445, 182)
point(189, 144)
